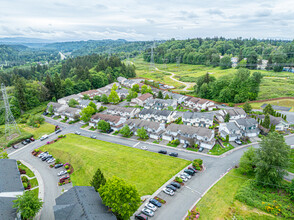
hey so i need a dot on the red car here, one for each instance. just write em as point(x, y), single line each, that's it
point(62, 179)
point(32, 139)
point(141, 217)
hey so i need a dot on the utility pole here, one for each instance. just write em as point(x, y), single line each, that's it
point(11, 128)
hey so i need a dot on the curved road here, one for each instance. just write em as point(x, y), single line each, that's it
point(176, 208)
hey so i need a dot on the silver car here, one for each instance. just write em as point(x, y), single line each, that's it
point(187, 175)
point(61, 173)
point(151, 207)
point(51, 160)
point(147, 212)
point(168, 191)
point(184, 178)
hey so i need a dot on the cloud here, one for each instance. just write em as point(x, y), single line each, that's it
point(215, 12)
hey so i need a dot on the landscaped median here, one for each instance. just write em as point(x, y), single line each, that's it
point(146, 170)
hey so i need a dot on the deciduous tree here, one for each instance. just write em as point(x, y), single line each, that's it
point(125, 131)
point(87, 113)
point(141, 133)
point(113, 97)
point(103, 126)
point(248, 162)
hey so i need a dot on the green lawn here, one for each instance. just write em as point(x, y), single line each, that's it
point(218, 150)
point(220, 203)
point(281, 102)
point(45, 128)
point(291, 169)
point(36, 192)
point(146, 170)
point(29, 173)
point(34, 182)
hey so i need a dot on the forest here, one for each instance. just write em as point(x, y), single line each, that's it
point(207, 51)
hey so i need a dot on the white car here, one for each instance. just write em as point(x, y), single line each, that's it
point(63, 172)
point(78, 133)
point(147, 212)
point(187, 175)
point(168, 191)
point(51, 160)
point(44, 137)
point(144, 148)
point(41, 154)
point(151, 207)
point(184, 178)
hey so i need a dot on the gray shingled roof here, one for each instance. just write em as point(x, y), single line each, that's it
point(232, 126)
point(191, 115)
point(165, 113)
point(120, 108)
point(54, 104)
point(81, 203)
point(185, 129)
point(142, 123)
point(235, 111)
point(6, 210)
point(9, 176)
point(248, 122)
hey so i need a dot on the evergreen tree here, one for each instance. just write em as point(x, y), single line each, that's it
point(247, 107)
point(98, 180)
point(227, 118)
point(20, 92)
point(160, 95)
point(266, 122)
point(104, 99)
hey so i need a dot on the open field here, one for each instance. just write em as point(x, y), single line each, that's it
point(45, 128)
point(282, 102)
point(273, 85)
point(220, 203)
point(146, 170)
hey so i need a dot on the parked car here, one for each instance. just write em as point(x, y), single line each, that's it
point(186, 145)
point(162, 152)
point(24, 143)
point(51, 160)
point(237, 141)
point(175, 184)
point(46, 157)
point(28, 140)
point(42, 154)
point(168, 191)
point(223, 105)
point(184, 178)
point(147, 212)
point(32, 139)
point(58, 131)
point(193, 169)
point(188, 176)
point(45, 113)
point(151, 207)
point(200, 149)
point(173, 154)
point(62, 179)
point(190, 172)
point(155, 202)
point(44, 137)
point(109, 131)
point(171, 187)
point(58, 165)
point(93, 136)
point(141, 216)
point(14, 147)
point(144, 148)
point(78, 133)
point(61, 173)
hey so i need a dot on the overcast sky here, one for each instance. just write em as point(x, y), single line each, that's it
point(146, 19)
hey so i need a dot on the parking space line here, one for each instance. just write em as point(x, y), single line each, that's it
point(136, 144)
point(193, 190)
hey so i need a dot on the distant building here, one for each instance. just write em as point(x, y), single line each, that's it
point(81, 203)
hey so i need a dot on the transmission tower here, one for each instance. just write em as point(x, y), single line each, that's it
point(152, 66)
point(178, 61)
point(11, 128)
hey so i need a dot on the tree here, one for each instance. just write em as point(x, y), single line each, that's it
point(149, 90)
point(28, 205)
point(122, 198)
point(113, 97)
point(3, 154)
point(72, 103)
point(87, 113)
point(125, 131)
point(14, 107)
point(50, 109)
point(227, 117)
point(114, 87)
point(141, 133)
point(136, 88)
point(247, 107)
point(103, 126)
point(268, 110)
point(86, 97)
point(93, 105)
point(247, 162)
point(97, 98)
point(20, 92)
point(266, 122)
point(273, 158)
point(225, 62)
point(144, 89)
point(98, 180)
point(166, 96)
point(160, 95)
point(131, 95)
point(104, 99)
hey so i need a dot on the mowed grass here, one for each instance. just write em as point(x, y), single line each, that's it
point(146, 170)
point(45, 128)
point(220, 203)
point(283, 102)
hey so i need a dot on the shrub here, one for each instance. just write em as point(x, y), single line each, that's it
point(66, 167)
point(68, 171)
point(24, 179)
point(57, 160)
point(178, 179)
point(25, 185)
point(176, 142)
point(37, 150)
point(196, 166)
point(199, 161)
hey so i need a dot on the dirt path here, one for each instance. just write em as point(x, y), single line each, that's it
point(188, 85)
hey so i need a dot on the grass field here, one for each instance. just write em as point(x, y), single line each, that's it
point(146, 170)
point(219, 201)
point(29, 173)
point(45, 128)
point(273, 85)
point(282, 102)
point(218, 150)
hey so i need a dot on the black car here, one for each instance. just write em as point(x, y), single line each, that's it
point(28, 141)
point(109, 131)
point(45, 113)
point(190, 172)
point(175, 184)
point(171, 187)
point(49, 158)
point(45, 158)
point(194, 170)
point(173, 154)
point(58, 165)
point(162, 152)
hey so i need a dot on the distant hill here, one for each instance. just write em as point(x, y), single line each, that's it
point(21, 40)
